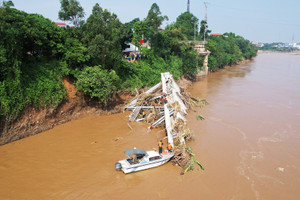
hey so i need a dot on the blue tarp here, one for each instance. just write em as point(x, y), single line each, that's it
point(130, 152)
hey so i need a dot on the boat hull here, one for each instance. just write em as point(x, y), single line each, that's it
point(129, 168)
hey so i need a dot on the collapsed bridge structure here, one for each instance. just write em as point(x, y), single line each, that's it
point(165, 102)
point(167, 106)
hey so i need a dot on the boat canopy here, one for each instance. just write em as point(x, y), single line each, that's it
point(130, 152)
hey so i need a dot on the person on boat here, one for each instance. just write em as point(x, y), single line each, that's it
point(165, 100)
point(160, 145)
point(169, 147)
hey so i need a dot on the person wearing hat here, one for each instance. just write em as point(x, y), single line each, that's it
point(160, 144)
point(169, 147)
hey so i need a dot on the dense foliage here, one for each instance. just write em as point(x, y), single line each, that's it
point(228, 49)
point(188, 24)
point(31, 48)
point(97, 82)
point(35, 54)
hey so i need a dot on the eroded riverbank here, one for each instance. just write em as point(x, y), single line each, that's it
point(33, 121)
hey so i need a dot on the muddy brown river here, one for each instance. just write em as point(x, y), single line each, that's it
point(249, 144)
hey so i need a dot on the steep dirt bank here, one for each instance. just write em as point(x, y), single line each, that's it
point(32, 121)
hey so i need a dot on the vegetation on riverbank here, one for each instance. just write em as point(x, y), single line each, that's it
point(278, 47)
point(35, 54)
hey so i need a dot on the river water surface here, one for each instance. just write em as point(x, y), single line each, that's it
point(249, 144)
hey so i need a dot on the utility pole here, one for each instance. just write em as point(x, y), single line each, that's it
point(188, 6)
point(206, 5)
point(195, 31)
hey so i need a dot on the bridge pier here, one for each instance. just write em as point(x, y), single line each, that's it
point(200, 48)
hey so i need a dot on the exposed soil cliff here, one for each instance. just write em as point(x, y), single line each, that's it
point(32, 121)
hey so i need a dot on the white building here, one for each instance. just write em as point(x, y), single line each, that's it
point(257, 44)
point(131, 49)
point(296, 45)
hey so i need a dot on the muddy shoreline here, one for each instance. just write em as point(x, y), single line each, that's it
point(33, 121)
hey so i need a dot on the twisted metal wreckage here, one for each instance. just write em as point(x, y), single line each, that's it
point(161, 103)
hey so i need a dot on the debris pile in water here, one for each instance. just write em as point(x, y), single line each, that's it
point(166, 102)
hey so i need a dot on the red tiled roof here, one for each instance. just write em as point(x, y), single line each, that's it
point(215, 34)
point(60, 24)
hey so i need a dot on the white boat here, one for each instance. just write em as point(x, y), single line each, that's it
point(141, 160)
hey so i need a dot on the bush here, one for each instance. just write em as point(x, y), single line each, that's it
point(40, 85)
point(97, 82)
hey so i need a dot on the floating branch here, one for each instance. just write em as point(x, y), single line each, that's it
point(199, 117)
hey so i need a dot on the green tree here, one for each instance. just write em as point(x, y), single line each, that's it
point(248, 50)
point(103, 35)
point(76, 54)
point(30, 46)
point(97, 83)
point(27, 38)
point(71, 10)
point(149, 26)
point(155, 18)
point(189, 25)
point(228, 49)
point(141, 29)
point(204, 30)
point(7, 4)
point(168, 42)
point(128, 32)
point(132, 22)
point(176, 37)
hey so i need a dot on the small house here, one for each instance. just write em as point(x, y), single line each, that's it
point(131, 51)
point(61, 24)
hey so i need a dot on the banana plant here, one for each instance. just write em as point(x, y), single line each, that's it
point(190, 165)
